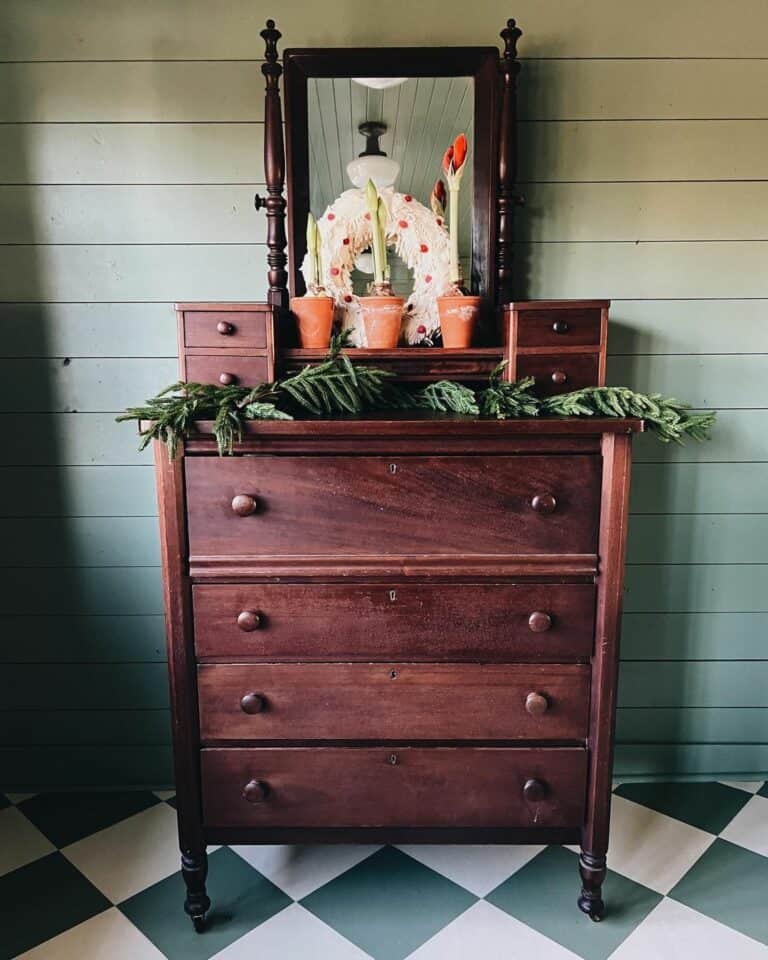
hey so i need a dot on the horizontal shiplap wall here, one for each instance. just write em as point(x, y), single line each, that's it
point(132, 142)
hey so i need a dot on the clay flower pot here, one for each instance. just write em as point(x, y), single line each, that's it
point(382, 317)
point(314, 316)
point(458, 318)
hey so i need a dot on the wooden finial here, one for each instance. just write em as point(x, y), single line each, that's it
point(510, 35)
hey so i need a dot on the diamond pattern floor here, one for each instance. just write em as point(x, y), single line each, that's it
point(92, 876)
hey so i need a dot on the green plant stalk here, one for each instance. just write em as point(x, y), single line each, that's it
point(312, 249)
point(453, 231)
point(377, 234)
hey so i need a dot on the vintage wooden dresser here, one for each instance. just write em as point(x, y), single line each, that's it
point(394, 628)
point(403, 627)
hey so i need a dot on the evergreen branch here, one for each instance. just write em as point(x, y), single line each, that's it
point(670, 419)
point(446, 396)
point(504, 398)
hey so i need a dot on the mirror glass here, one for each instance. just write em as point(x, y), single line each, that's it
point(410, 120)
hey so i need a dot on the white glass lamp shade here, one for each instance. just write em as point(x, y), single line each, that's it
point(382, 170)
point(379, 83)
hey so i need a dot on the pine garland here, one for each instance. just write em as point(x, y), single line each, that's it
point(670, 419)
point(336, 387)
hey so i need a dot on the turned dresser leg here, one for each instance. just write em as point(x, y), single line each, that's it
point(593, 870)
point(194, 869)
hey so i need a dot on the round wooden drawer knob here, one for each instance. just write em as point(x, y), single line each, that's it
point(559, 376)
point(560, 326)
point(539, 621)
point(224, 328)
point(244, 505)
point(534, 790)
point(544, 503)
point(255, 791)
point(227, 379)
point(536, 704)
point(252, 703)
point(248, 620)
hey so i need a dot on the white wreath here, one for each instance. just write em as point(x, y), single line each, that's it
point(419, 238)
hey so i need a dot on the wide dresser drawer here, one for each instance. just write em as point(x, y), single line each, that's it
point(393, 787)
point(399, 620)
point(397, 701)
point(355, 508)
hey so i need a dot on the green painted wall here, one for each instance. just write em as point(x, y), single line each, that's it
point(131, 148)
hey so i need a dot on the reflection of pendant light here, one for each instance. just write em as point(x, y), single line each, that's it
point(379, 83)
point(373, 163)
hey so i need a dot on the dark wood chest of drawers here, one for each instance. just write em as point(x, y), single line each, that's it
point(396, 629)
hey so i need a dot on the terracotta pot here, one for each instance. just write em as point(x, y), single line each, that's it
point(458, 318)
point(382, 317)
point(314, 316)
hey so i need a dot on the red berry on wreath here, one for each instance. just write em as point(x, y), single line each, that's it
point(428, 278)
point(346, 241)
point(347, 298)
point(367, 216)
point(331, 216)
point(439, 222)
point(334, 271)
point(402, 224)
point(424, 248)
point(421, 329)
point(407, 198)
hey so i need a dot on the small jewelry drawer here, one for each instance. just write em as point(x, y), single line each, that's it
point(572, 327)
point(393, 701)
point(226, 370)
point(390, 786)
point(225, 329)
point(483, 621)
point(559, 372)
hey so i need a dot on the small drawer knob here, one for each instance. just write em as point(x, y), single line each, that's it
point(227, 379)
point(252, 703)
point(560, 326)
point(559, 376)
point(544, 503)
point(535, 790)
point(536, 704)
point(255, 791)
point(539, 621)
point(248, 620)
point(224, 328)
point(244, 505)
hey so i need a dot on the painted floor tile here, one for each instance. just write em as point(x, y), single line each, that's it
point(389, 904)
point(20, 841)
point(486, 933)
point(651, 848)
point(749, 828)
point(41, 900)
point(478, 868)
point(108, 935)
point(708, 806)
point(241, 900)
point(729, 884)
point(543, 895)
point(751, 786)
point(293, 934)
point(675, 932)
point(131, 855)
point(298, 870)
point(67, 817)
point(763, 791)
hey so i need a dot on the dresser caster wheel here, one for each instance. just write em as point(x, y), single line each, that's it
point(199, 923)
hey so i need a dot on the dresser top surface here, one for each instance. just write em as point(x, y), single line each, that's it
point(415, 423)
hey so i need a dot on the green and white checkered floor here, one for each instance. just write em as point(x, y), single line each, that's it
point(96, 876)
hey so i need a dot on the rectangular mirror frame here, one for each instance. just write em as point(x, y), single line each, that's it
point(479, 63)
